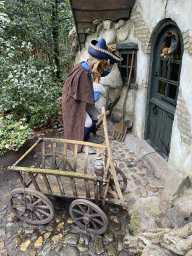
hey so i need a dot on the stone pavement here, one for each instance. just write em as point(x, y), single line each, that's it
point(61, 236)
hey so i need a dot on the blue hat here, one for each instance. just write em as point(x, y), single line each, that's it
point(99, 50)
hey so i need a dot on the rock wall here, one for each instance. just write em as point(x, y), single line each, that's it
point(140, 28)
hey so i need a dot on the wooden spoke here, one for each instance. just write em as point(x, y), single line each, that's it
point(43, 212)
point(37, 202)
point(88, 210)
point(77, 211)
point(94, 225)
point(32, 206)
point(42, 207)
point(80, 218)
point(94, 215)
point(98, 221)
point(93, 219)
point(39, 215)
point(82, 209)
point(19, 206)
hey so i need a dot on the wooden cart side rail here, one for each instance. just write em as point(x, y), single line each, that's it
point(76, 142)
point(26, 153)
point(58, 173)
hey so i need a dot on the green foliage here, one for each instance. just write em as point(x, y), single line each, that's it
point(34, 61)
point(28, 90)
point(45, 24)
point(13, 133)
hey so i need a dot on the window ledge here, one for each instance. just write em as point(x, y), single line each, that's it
point(127, 46)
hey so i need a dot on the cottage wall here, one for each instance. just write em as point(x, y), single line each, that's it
point(146, 17)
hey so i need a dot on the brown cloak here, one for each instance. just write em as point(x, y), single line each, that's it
point(77, 91)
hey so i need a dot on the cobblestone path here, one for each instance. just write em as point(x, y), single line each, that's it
point(61, 236)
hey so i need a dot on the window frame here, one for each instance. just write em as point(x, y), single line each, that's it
point(128, 49)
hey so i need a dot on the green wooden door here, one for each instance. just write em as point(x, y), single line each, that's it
point(164, 87)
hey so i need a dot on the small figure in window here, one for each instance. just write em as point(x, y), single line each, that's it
point(170, 43)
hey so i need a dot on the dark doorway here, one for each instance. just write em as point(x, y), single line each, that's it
point(166, 59)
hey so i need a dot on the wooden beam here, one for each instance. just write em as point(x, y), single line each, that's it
point(76, 142)
point(60, 173)
point(102, 5)
point(23, 156)
point(90, 16)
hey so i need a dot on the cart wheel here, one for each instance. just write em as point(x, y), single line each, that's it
point(122, 179)
point(31, 206)
point(88, 216)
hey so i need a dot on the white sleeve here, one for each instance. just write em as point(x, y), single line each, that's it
point(98, 87)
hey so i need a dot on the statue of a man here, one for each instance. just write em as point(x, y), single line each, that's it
point(82, 89)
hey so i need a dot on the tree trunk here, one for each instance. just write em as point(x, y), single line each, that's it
point(56, 37)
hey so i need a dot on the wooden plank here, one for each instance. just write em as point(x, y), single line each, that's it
point(102, 115)
point(47, 183)
point(96, 192)
point(106, 170)
point(43, 155)
point(64, 156)
point(61, 188)
point(43, 166)
point(74, 170)
point(54, 156)
point(101, 189)
point(101, 5)
point(85, 171)
point(34, 181)
point(29, 182)
point(78, 175)
point(75, 158)
point(76, 142)
point(59, 181)
point(113, 172)
point(90, 16)
point(21, 179)
point(23, 156)
point(67, 196)
point(105, 191)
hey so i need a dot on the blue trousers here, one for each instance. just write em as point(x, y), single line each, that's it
point(87, 131)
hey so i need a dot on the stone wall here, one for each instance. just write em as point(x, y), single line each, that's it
point(140, 28)
point(183, 118)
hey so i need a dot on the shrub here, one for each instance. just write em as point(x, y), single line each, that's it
point(13, 133)
point(29, 88)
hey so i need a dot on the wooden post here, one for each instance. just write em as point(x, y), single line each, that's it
point(64, 156)
point(85, 171)
point(74, 170)
point(43, 167)
point(113, 172)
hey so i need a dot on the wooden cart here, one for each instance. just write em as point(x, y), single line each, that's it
point(66, 174)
